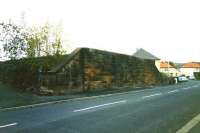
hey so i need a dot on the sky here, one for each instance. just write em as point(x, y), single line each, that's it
point(169, 29)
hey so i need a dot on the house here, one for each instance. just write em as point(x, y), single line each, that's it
point(143, 54)
point(189, 68)
point(162, 66)
point(169, 69)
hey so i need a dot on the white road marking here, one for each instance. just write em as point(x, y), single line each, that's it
point(195, 86)
point(186, 88)
point(107, 104)
point(156, 94)
point(189, 125)
point(174, 91)
point(8, 125)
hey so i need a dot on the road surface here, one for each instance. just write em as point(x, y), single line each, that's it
point(158, 110)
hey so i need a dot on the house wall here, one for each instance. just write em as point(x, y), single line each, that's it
point(171, 71)
point(189, 71)
point(157, 64)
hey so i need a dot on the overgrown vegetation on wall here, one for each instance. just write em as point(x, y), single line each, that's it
point(24, 72)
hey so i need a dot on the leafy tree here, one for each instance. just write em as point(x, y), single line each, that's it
point(19, 41)
point(13, 38)
point(173, 64)
point(45, 40)
point(57, 43)
point(32, 42)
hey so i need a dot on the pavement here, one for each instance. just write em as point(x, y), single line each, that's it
point(13, 97)
point(158, 110)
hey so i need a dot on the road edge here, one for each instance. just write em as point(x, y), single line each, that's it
point(73, 99)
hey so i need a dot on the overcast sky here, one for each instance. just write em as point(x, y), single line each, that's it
point(170, 29)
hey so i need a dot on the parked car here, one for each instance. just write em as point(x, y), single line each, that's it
point(182, 79)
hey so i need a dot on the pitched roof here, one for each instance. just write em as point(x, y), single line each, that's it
point(67, 60)
point(191, 65)
point(164, 64)
point(143, 54)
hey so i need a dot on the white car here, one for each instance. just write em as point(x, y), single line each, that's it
point(182, 79)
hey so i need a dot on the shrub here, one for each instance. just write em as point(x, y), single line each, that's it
point(24, 72)
point(197, 75)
